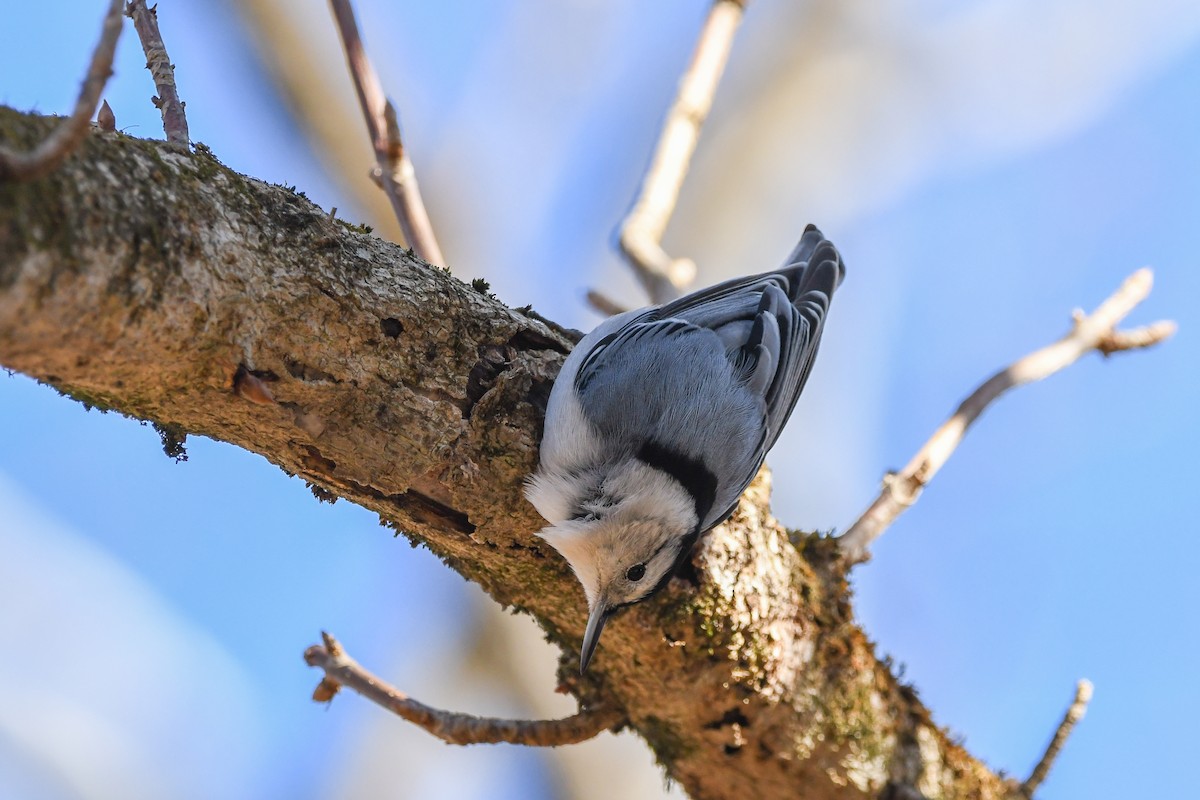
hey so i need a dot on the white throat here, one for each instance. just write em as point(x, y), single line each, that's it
point(637, 507)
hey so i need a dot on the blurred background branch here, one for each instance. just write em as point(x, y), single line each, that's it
point(304, 68)
point(394, 170)
point(662, 276)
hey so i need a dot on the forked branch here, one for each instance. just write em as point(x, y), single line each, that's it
point(453, 728)
point(1095, 331)
point(662, 276)
point(394, 170)
point(54, 149)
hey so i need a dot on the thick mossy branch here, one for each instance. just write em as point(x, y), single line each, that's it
point(165, 286)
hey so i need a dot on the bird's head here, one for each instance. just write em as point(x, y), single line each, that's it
point(623, 540)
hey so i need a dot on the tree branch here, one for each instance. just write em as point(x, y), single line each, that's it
point(162, 285)
point(450, 727)
point(604, 304)
point(1075, 712)
point(394, 170)
point(641, 234)
point(145, 21)
point(1088, 332)
point(64, 140)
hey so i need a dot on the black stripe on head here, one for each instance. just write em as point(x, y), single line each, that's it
point(691, 473)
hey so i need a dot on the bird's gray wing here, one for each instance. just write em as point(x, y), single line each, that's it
point(664, 392)
point(770, 323)
point(717, 402)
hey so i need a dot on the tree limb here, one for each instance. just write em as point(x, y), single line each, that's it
point(662, 276)
point(51, 151)
point(450, 727)
point(162, 285)
point(145, 21)
point(394, 171)
point(1096, 331)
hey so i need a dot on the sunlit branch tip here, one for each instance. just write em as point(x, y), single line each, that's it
point(1096, 331)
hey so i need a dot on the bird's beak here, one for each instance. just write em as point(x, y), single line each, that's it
point(596, 619)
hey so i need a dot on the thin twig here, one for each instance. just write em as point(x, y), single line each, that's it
point(1078, 707)
point(604, 304)
point(1148, 335)
point(453, 728)
point(1096, 331)
point(642, 231)
point(394, 170)
point(145, 22)
point(46, 157)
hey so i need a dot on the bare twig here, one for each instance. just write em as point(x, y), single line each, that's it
point(641, 233)
point(46, 157)
point(604, 304)
point(1075, 712)
point(320, 101)
point(145, 21)
point(394, 170)
point(1096, 331)
point(453, 728)
point(1148, 335)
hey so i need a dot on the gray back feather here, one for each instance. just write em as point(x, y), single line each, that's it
point(714, 375)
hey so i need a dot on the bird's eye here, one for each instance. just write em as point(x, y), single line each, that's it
point(635, 573)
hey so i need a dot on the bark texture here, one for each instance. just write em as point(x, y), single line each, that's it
point(164, 286)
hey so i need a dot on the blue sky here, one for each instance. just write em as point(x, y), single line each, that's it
point(973, 214)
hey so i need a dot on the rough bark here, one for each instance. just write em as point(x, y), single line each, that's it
point(153, 282)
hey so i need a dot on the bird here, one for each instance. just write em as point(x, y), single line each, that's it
point(661, 417)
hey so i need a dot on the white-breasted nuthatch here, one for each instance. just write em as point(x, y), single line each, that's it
point(661, 417)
